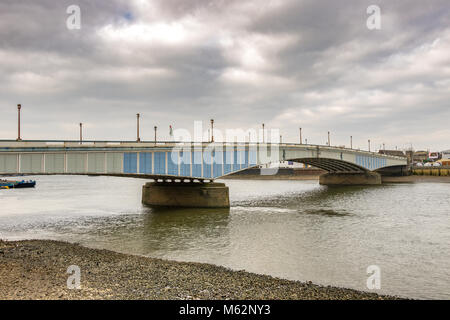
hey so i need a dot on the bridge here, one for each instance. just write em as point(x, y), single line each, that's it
point(181, 169)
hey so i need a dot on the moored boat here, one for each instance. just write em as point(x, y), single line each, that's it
point(12, 184)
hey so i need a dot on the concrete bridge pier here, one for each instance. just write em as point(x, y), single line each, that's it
point(181, 194)
point(350, 179)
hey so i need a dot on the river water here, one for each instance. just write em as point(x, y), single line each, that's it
point(290, 229)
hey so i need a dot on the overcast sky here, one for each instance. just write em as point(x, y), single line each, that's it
point(288, 64)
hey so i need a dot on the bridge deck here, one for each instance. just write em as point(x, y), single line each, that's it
point(167, 160)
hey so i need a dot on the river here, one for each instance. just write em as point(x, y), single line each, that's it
point(296, 230)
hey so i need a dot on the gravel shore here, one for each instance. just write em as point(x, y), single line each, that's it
point(37, 269)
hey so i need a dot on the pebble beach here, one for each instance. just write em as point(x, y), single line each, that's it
point(37, 269)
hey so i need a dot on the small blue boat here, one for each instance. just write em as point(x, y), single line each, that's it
point(12, 184)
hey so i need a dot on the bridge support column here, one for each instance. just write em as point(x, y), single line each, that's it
point(350, 179)
point(180, 194)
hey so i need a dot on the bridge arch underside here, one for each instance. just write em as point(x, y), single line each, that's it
point(332, 165)
point(398, 170)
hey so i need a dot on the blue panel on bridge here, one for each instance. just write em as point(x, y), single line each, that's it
point(359, 160)
point(207, 161)
point(160, 162)
point(218, 163)
point(172, 163)
point(240, 159)
point(145, 162)
point(236, 162)
point(252, 158)
point(130, 162)
point(245, 160)
point(185, 164)
point(227, 160)
point(370, 162)
point(197, 164)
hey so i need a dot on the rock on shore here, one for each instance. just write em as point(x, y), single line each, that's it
point(37, 269)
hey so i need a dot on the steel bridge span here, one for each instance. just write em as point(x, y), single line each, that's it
point(186, 161)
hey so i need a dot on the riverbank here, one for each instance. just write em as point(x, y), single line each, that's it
point(416, 179)
point(36, 269)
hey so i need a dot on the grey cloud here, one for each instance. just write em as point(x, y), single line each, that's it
point(299, 63)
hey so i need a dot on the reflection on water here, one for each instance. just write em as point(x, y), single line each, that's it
point(327, 212)
point(290, 229)
point(166, 230)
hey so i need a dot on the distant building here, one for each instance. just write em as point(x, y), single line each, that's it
point(409, 155)
point(420, 156)
point(434, 156)
point(445, 154)
point(444, 162)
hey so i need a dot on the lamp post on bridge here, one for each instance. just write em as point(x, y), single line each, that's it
point(155, 128)
point(301, 141)
point(369, 144)
point(19, 106)
point(329, 143)
point(212, 130)
point(263, 132)
point(81, 133)
point(138, 139)
point(351, 142)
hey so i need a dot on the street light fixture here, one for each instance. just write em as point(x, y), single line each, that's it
point(138, 139)
point(19, 106)
point(81, 133)
point(155, 128)
point(263, 133)
point(212, 130)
